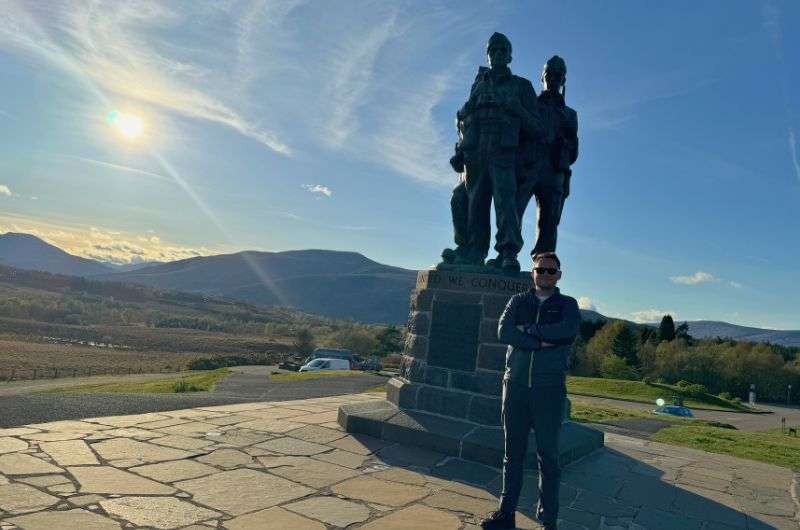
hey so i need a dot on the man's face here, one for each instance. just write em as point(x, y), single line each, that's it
point(542, 277)
point(498, 55)
point(553, 79)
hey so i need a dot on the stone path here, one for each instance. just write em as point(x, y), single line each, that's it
point(288, 465)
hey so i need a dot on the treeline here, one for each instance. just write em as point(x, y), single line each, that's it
point(619, 350)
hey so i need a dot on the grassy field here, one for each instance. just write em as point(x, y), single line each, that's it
point(305, 376)
point(196, 382)
point(646, 393)
point(772, 447)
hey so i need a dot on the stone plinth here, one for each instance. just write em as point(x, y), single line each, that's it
point(447, 396)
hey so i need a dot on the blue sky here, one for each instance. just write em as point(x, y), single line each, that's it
point(286, 124)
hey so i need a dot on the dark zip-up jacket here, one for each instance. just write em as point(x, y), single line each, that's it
point(525, 324)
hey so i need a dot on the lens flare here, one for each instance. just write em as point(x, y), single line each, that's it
point(660, 402)
point(129, 126)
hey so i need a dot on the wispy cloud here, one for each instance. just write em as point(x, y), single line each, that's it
point(103, 244)
point(695, 279)
point(651, 315)
point(114, 49)
point(120, 167)
point(793, 152)
point(735, 285)
point(5, 190)
point(771, 21)
point(318, 188)
point(584, 302)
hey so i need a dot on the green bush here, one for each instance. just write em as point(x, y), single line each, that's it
point(695, 390)
point(183, 386)
point(725, 395)
point(647, 380)
point(683, 384)
point(614, 367)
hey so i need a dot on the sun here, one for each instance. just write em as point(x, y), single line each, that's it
point(129, 126)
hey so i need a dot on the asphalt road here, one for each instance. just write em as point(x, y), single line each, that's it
point(244, 384)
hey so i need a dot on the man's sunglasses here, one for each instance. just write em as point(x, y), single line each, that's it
point(549, 270)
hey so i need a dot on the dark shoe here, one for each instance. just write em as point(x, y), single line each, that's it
point(498, 519)
point(510, 265)
point(494, 263)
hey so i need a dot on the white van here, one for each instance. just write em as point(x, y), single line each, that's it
point(326, 364)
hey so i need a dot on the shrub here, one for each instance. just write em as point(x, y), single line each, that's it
point(695, 390)
point(647, 380)
point(683, 384)
point(183, 386)
point(392, 360)
point(613, 367)
point(725, 395)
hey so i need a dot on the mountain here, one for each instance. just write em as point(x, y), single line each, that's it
point(704, 329)
point(26, 251)
point(325, 282)
point(130, 266)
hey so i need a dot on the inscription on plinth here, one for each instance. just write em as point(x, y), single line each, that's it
point(474, 283)
point(454, 335)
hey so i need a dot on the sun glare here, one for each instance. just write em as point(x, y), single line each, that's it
point(129, 126)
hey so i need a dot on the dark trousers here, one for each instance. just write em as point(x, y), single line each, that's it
point(541, 408)
point(549, 201)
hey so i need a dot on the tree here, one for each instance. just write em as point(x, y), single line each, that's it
point(390, 340)
point(625, 345)
point(304, 342)
point(666, 330)
point(682, 332)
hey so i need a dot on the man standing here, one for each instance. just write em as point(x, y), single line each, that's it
point(539, 326)
point(498, 109)
point(544, 168)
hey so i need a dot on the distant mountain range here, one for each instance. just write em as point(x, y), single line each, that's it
point(26, 251)
point(324, 282)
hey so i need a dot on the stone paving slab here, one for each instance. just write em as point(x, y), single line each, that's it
point(287, 465)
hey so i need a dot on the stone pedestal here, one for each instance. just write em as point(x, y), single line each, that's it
point(447, 396)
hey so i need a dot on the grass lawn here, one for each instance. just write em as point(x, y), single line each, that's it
point(772, 447)
point(646, 393)
point(380, 389)
point(303, 376)
point(201, 382)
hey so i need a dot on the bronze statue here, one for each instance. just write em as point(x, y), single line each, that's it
point(501, 109)
point(536, 140)
point(545, 167)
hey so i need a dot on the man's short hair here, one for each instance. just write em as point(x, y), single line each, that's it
point(550, 255)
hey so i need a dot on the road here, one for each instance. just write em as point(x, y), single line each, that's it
point(26, 403)
point(742, 421)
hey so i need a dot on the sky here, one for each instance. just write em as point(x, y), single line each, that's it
point(142, 130)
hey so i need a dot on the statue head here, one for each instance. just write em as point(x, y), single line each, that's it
point(554, 74)
point(498, 51)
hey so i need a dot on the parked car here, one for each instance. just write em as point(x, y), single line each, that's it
point(325, 364)
point(331, 353)
point(674, 410)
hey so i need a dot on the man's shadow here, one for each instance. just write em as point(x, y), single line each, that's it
point(608, 489)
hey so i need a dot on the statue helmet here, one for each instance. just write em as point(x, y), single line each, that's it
point(498, 38)
point(556, 63)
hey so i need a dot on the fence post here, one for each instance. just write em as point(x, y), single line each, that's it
point(55, 370)
point(13, 373)
point(34, 374)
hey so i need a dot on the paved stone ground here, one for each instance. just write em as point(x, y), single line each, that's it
point(288, 465)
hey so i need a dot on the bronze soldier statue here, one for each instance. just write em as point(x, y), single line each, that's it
point(501, 107)
point(544, 167)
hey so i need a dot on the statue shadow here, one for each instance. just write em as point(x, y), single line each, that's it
point(607, 489)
